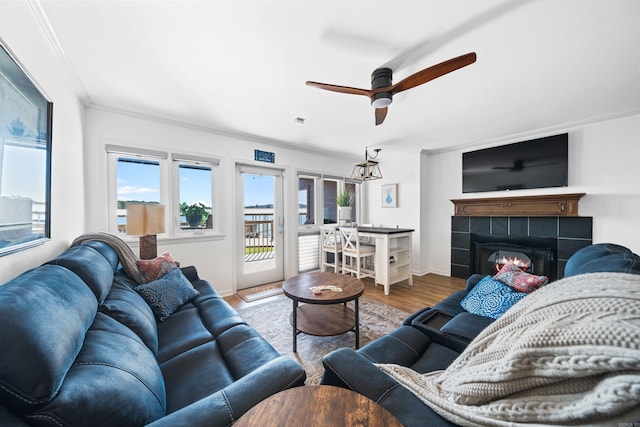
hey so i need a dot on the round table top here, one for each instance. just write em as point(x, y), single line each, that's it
point(318, 406)
point(298, 287)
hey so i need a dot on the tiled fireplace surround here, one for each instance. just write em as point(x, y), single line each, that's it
point(572, 233)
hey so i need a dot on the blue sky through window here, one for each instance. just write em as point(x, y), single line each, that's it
point(140, 180)
point(258, 189)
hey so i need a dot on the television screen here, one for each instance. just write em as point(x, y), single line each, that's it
point(537, 163)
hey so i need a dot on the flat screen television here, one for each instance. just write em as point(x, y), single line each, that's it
point(537, 163)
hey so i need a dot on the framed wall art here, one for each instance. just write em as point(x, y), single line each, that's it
point(390, 196)
point(25, 158)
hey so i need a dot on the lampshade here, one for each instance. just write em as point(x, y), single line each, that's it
point(144, 219)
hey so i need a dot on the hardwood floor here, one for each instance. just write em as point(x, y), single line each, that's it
point(427, 290)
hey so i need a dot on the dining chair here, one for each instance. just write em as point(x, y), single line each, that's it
point(330, 244)
point(357, 258)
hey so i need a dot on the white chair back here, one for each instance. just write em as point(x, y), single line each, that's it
point(349, 239)
point(330, 238)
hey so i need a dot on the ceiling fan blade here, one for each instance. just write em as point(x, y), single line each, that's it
point(433, 72)
point(341, 89)
point(381, 113)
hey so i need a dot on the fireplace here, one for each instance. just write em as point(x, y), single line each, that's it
point(535, 255)
point(563, 235)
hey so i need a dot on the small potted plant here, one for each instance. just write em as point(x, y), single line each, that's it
point(195, 214)
point(343, 201)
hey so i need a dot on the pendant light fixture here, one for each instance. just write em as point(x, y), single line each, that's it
point(369, 169)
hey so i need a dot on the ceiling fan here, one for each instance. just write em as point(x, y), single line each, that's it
point(382, 91)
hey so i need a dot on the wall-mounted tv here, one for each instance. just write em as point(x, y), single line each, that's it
point(537, 163)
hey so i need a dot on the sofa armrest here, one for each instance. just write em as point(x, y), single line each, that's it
point(371, 382)
point(409, 320)
point(190, 272)
point(473, 280)
point(224, 407)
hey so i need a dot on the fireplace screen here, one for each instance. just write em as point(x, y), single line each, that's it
point(502, 257)
point(489, 257)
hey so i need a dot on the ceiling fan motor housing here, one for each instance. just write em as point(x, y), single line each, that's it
point(381, 77)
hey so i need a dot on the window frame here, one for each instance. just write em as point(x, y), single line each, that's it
point(316, 178)
point(319, 179)
point(202, 161)
point(169, 191)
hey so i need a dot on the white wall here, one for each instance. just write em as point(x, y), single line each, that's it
point(603, 163)
point(405, 170)
point(24, 38)
point(214, 258)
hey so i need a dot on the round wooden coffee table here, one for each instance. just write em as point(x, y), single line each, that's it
point(326, 313)
point(317, 406)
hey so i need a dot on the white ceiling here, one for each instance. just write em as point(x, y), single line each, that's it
point(240, 66)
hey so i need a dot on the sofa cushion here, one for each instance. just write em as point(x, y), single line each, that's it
point(602, 257)
point(168, 293)
point(490, 298)
point(127, 307)
point(92, 267)
point(153, 269)
point(114, 381)
point(45, 315)
point(521, 281)
point(466, 326)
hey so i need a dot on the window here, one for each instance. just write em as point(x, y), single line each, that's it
point(306, 200)
point(195, 189)
point(186, 186)
point(330, 195)
point(138, 180)
point(352, 188)
point(25, 158)
point(195, 207)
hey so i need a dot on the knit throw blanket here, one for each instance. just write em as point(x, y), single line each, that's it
point(125, 254)
point(567, 354)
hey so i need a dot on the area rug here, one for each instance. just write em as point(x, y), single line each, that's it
point(271, 320)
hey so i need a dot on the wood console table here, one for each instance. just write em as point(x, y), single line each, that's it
point(545, 205)
point(393, 254)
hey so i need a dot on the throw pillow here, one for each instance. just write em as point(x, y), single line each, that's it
point(511, 275)
point(490, 298)
point(153, 269)
point(168, 293)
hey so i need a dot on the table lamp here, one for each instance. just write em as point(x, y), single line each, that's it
point(145, 220)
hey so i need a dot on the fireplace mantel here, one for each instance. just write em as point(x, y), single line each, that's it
point(540, 205)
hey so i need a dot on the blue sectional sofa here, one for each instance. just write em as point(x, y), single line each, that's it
point(434, 337)
point(80, 347)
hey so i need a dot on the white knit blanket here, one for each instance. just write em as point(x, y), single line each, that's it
point(567, 354)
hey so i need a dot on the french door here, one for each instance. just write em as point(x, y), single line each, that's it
point(260, 231)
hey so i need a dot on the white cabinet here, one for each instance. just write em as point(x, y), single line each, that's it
point(393, 254)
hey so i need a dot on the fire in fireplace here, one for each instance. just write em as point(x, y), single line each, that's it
point(502, 257)
point(535, 255)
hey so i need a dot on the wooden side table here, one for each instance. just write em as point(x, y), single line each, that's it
point(322, 314)
point(317, 406)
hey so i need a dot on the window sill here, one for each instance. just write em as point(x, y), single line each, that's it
point(187, 237)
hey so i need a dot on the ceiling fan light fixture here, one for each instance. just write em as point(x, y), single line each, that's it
point(381, 100)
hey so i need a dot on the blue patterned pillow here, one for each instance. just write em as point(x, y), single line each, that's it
point(490, 298)
point(168, 293)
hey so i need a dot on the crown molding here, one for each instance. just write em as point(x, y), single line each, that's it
point(49, 35)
